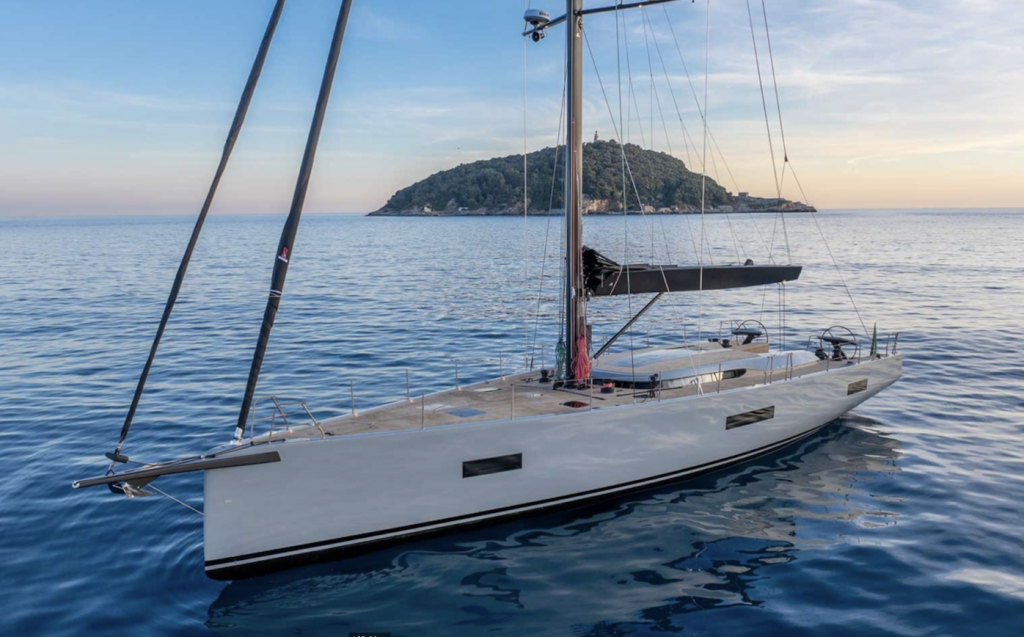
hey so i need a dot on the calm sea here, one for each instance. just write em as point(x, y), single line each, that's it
point(903, 518)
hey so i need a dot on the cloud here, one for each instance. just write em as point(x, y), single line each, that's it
point(874, 94)
point(1002, 144)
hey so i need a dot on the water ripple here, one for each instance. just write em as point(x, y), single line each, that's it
point(900, 519)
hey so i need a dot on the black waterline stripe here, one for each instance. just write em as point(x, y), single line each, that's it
point(420, 525)
point(290, 558)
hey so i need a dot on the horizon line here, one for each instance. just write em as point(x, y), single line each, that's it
point(129, 215)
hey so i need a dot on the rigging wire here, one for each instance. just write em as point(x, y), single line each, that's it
point(672, 93)
point(764, 104)
point(814, 217)
point(648, 224)
point(629, 172)
point(700, 111)
point(615, 128)
point(778, 105)
point(703, 188)
point(236, 126)
point(711, 134)
point(682, 125)
point(764, 289)
point(771, 146)
point(526, 205)
point(792, 170)
point(647, 22)
point(651, 96)
point(547, 226)
point(171, 497)
point(625, 217)
point(760, 236)
point(664, 126)
point(632, 93)
point(696, 101)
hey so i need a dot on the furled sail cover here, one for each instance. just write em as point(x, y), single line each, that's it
point(604, 277)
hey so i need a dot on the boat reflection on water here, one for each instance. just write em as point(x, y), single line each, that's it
point(640, 560)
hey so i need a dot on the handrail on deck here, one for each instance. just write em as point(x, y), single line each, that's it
point(279, 412)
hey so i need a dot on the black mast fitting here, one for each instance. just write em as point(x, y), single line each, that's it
point(291, 225)
point(229, 144)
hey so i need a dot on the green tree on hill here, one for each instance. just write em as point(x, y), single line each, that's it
point(497, 184)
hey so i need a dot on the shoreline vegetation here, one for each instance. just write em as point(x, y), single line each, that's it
point(661, 183)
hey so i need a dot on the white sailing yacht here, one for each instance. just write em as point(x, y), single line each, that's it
point(516, 445)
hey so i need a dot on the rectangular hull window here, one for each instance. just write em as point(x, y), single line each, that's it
point(856, 387)
point(473, 468)
point(750, 417)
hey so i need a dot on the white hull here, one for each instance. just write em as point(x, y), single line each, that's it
point(350, 493)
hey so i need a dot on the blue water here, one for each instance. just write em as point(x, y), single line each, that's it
point(903, 518)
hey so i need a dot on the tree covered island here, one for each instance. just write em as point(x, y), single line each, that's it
point(495, 187)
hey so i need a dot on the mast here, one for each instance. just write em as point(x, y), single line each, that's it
point(575, 311)
point(229, 145)
point(291, 225)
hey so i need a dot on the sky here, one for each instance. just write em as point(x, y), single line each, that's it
point(122, 107)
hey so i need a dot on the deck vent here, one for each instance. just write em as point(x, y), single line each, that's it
point(498, 464)
point(750, 417)
point(856, 387)
point(575, 404)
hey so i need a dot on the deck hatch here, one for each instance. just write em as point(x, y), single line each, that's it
point(750, 417)
point(856, 387)
point(466, 412)
point(485, 466)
